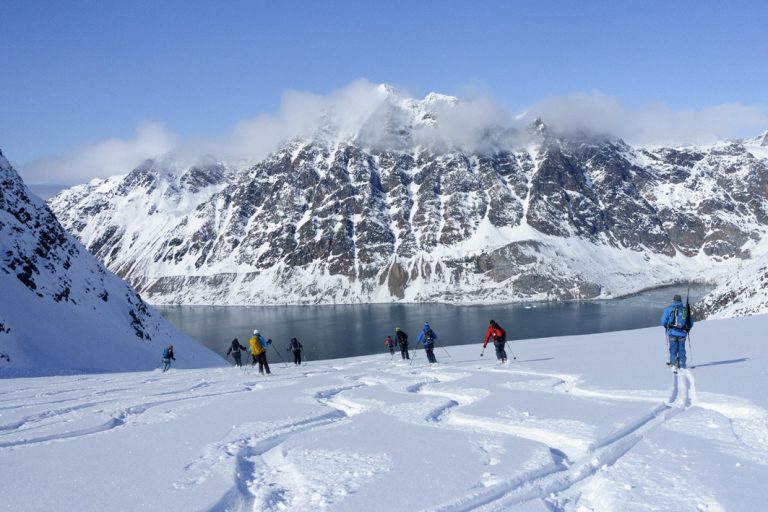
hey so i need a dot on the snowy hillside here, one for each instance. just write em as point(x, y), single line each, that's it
point(61, 311)
point(744, 293)
point(383, 207)
point(575, 424)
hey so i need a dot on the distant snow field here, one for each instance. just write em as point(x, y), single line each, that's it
point(574, 424)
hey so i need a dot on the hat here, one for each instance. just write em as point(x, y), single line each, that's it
point(255, 331)
point(677, 298)
point(426, 324)
point(170, 346)
point(397, 328)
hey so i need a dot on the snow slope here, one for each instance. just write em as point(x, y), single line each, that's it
point(743, 293)
point(576, 423)
point(61, 311)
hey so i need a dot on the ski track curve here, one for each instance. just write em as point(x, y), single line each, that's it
point(120, 418)
point(547, 482)
point(252, 488)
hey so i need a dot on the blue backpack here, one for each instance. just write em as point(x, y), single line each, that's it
point(681, 318)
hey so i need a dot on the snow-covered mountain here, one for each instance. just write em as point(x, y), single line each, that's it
point(61, 311)
point(389, 207)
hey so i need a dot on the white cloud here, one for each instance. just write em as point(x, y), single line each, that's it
point(102, 159)
point(363, 110)
point(655, 124)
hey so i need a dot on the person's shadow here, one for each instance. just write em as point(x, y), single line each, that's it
point(727, 361)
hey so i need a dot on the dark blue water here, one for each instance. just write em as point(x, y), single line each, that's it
point(329, 332)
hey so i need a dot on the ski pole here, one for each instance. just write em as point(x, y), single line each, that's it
point(281, 357)
point(414, 355)
point(441, 346)
point(482, 351)
point(690, 350)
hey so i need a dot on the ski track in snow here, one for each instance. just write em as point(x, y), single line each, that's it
point(258, 487)
point(258, 457)
point(255, 486)
point(547, 482)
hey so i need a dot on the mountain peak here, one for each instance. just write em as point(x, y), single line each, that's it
point(434, 97)
point(388, 90)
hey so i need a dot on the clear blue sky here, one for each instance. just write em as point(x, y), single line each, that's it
point(82, 71)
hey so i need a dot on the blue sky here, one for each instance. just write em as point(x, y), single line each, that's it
point(76, 73)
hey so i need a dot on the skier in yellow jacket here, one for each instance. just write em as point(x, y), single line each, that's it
point(259, 351)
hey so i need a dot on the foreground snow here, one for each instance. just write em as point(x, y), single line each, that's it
point(576, 423)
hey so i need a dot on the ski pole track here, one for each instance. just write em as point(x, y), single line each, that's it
point(547, 482)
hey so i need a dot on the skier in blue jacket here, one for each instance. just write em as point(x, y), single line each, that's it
point(428, 337)
point(677, 321)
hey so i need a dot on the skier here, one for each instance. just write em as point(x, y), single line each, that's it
point(167, 356)
point(499, 340)
point(402, 340)
point(428, 337)
point(259, 351)
point(390, 344)
point(235, 349)
point(296, 347)
point(677, 321)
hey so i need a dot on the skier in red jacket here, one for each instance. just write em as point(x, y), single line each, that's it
point(499, 337)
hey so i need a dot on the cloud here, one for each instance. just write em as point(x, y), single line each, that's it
point(655, 124)
point(102, 159)
point(375, 115)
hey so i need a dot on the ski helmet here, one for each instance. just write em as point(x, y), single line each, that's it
point(255, 331)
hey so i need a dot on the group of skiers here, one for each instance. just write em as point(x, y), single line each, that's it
point(427, 337)
point(258, 350)
point(676, 320)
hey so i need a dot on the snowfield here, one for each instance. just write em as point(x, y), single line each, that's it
point(576, 423)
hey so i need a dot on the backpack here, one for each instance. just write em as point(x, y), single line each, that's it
point(502, 333)
point(429, 335)
point(166, 353)
point(681, 318)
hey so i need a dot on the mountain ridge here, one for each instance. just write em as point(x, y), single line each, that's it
point(512, 215)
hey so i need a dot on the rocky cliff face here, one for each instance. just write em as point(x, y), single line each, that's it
point(61, 311)
point(331, 219)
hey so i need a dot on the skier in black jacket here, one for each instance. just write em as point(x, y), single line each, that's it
point(402, 340)
point(296, 347)
point(235, 349)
